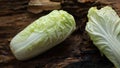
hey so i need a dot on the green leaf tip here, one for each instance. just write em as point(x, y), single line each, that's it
point(43, 34)
point(103, 27)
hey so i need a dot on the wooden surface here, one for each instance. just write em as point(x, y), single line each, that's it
point(74, 51)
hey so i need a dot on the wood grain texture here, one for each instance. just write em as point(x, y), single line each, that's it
point(14, 17)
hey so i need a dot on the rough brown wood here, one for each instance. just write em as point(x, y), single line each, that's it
point(38, 6)
point(77, 48)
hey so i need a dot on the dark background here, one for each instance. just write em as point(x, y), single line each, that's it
point(77, 51)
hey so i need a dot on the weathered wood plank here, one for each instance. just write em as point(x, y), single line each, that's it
point(14, 17)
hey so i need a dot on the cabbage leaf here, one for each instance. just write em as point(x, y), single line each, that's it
point(42, 34)
point(103, 27)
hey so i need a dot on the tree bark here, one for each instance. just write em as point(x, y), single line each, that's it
point(77, 49)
